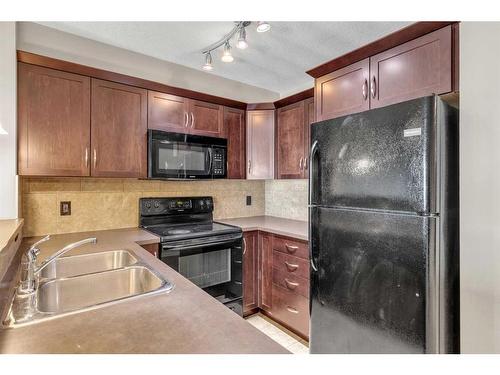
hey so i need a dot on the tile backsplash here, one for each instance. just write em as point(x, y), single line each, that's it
point(286, 198)
point(105, 203)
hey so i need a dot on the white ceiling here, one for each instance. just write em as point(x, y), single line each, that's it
point(275, 60)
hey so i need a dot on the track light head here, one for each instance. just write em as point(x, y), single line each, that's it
point(242, 39)
point(226, 55)
point(208, 62)
point(263, 26)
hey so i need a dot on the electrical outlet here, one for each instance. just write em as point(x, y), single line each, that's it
point(65, 208)
point(249, 200)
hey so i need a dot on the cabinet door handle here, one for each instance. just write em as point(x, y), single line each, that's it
point(86, 157)
point(305, 163)
point(373, 87)
point(291, 285)
point(238, 261)
point(95, 158)
point(292, 310)
point(192, 120)
point(365, 89)
point(238, 282)
point(244, 246)
point(186, 119)
point(249, 166)
point(291, 267)
point(290, 248)
point(300, 164)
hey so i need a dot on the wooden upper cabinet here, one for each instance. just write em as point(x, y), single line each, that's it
point(250, 272)
point(291, 133)
point(417, 68)
point(206, 119)
point(182, 115)
point(234, 125)
point(260, 144)
point(343, 92)
point(119, 130)
point(167, 112)
point(53, 122)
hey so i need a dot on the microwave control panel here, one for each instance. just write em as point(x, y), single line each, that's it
point(219, 162)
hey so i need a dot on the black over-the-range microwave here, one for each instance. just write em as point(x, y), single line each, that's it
point(185, 156)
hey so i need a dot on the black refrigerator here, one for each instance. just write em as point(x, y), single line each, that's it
point(383, 219)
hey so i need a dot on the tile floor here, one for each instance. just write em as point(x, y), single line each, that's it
point(278, 334)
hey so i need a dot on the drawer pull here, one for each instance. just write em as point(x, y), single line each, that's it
point(292, 310)
point(290, 248)
point(237, 261)
point(238, 282)
point(290, 284)
point(291, 267)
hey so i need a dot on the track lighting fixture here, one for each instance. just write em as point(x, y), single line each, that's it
point(241, 43)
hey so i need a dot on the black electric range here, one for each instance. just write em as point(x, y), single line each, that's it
point(207, 253)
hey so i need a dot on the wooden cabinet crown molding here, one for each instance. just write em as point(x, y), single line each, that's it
point(394, 39)
point(70, 67)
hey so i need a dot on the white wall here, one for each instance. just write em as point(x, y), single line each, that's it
point(480, 187)
point(43, 40)
point(8, 71)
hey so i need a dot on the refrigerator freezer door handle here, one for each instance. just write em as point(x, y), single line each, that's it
point(314, 149)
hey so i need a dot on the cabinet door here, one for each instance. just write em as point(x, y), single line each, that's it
point(417, 68)
point(343, 92)
point(291, 133)
point(310, 119)
point(167, 112)
point(266, 271)
point(53, 122)
point(206, 119)
point(260, 145)
point(119, 130)
point(234, 125)
point(250, 272)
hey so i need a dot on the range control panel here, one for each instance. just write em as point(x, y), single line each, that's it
point(172, 206)
point(219, 162)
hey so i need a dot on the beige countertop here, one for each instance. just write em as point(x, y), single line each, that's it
point(277, 225)
point(186, 320)
point(7, 229)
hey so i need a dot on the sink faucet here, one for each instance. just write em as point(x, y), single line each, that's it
point(30, 270)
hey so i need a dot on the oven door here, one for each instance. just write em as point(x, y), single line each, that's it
point(215, 266)
point(178, 159)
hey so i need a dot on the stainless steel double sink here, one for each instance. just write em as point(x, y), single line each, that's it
point(81, 282)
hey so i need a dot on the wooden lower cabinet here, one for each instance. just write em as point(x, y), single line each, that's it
point(276, 269)
point(250, 272)
point(152, 248)
point(266, 268)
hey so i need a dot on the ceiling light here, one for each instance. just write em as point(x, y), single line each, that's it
point(242, 39)
point(226, 55)
point(263, 26)
point(208, 62)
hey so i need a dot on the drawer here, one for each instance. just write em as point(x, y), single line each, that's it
point(290, 264)
point(291, 282)
point(291, 309)
point(289, 246)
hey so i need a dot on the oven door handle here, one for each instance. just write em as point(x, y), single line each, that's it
point(197, 246)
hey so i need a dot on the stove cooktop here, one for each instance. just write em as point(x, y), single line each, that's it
point(174, 232)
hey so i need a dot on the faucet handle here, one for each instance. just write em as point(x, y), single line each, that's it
point(34, 248)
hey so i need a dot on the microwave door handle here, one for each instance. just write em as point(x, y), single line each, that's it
point(210, 160)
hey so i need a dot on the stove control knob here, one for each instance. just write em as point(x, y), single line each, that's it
point(148, 205)
point(157, 204)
